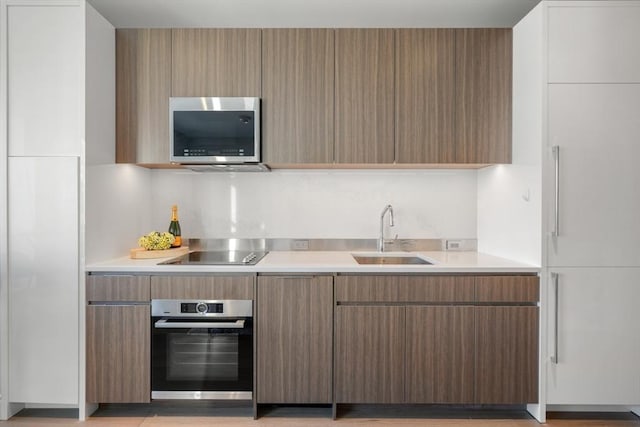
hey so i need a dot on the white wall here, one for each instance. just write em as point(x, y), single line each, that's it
point(4, 279)
point(117, 210)
point(100, 109)
point(509, 196)
point(316, 203)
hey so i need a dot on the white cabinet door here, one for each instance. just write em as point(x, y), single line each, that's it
point(598, 345)
point(594, 44)
point(597, 127)
point(43, 279)
point(46, 80)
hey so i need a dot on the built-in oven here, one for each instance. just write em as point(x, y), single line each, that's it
point(201, 349)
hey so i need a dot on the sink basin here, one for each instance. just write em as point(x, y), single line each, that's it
point(389, 259)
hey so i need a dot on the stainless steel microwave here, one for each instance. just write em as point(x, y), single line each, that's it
point(214, 130)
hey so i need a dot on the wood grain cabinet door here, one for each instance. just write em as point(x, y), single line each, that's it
point(483, 95)
point(440, 354)
point(506, 370)
point(143, 88)
point(207, 287)
point(369, 354)
point(215, 62)
point(364, 96)
point(425, 95)
point(118, 354)
point(294, 339)
point(297, 95)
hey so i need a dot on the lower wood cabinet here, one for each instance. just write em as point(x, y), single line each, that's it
point(475, 346)
point(370, 351)
point(506, 370)
point(440, 354)
point(118, 332)
point(118, 354)
point(294, 321)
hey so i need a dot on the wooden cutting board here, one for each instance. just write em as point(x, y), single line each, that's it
point(141, 253)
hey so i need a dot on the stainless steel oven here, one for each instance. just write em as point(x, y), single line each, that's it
point(201, 349)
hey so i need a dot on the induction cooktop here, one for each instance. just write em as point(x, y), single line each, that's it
point(218, 258)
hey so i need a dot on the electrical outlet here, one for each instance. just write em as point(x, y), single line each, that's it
point(300, 245)
point(454, 245)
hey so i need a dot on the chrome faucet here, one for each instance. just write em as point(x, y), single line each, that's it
point(386, 209)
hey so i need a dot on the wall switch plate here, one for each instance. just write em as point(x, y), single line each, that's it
point(300, 245)
point(454, 245)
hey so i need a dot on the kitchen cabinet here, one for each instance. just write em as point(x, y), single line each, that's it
point(208, 287)
point(483, 95)
point(440, 354)
point(602, 42)
point(42, 271)
point(447, 339)
point(297, 95)
point(593, 336)
point(598, 200)
point(143, 88)
point(592, 262)
point(45, 74)
point(118, 339)
point(425, 95)
point(215, 62)
point(294, 329)
point(369, 356)
point(453, 95)
point(506, 370)
point(364, 96)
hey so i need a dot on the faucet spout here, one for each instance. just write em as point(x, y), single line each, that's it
point(386, 209)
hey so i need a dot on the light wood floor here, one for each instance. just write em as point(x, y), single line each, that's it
point(360, 415)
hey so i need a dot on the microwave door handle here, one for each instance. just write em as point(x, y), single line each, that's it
point(165, 324)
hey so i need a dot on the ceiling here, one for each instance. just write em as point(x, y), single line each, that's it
point(313, 13)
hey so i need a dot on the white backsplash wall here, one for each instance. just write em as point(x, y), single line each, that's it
point(510, 196)
point(316, 203)
point(117, 209)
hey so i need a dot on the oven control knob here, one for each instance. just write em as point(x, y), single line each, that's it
point(201, 308)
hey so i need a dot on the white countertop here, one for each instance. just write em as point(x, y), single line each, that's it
point(326, 262)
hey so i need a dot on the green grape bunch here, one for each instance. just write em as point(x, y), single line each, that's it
point(156, 241)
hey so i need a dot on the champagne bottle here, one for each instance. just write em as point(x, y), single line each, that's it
point(174, 227)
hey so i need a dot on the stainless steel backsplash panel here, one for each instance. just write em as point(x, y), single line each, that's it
point(397, 245)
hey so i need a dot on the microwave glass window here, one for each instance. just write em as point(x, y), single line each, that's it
point(213, 133)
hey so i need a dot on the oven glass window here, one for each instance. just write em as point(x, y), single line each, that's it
point(199, 355)
point(202, 359)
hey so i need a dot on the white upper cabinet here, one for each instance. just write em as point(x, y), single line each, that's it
point(46, 80)
point(597, 130)
point(594, 43)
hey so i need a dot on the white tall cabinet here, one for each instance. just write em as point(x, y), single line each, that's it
point(43, 52)
point(591, 196)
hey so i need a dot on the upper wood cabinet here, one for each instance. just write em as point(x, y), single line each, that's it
point(215, 62)
point(483, 95)
point(143, 85)
point(297, 95)
point(364, 118)
point(343, 96)
point(425, 95)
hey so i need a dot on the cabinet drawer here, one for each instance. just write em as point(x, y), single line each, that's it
point(404, 288)
point(117, 288)
point(507, 288)
point(202, 287)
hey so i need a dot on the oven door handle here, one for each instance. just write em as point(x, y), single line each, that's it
point(163, 323)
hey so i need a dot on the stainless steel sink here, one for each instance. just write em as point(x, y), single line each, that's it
point(388, 259)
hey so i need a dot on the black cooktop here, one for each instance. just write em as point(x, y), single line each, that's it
point(218, 258)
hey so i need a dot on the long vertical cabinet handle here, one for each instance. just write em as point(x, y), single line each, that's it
point(556, 212)
point(556, 288)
